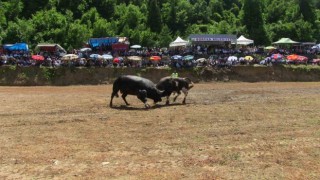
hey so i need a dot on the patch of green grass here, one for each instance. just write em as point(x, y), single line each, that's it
point(22, 75)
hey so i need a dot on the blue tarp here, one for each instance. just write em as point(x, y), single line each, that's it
point(97, 42)
point(16, 47)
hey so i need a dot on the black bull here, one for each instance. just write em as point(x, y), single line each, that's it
point(171, 85)
point(134, 85)
point(144, 88)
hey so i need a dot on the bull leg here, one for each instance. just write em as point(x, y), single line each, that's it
point(185, 92)
point(111, 100)
point(146, 105)
point(142, 95)
point(112, 96)
point(167, 102)
point(124, 95)
point(175, 98)
point(168, 97)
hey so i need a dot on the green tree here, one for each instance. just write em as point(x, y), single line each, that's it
point(12, 9)
point(13, 33)
point(183, 17)
point(253, 21)
point(275, 11)
point(164, 37)
point(133, 16)
point(308, 11)
point(147, 38)
point(3, 22)
point(77, 35)
point(170, 15)
point(55, 20)
point(304, 31)
point(51, 26)
point(102, 28)
point(106, 8)
point(280, 30)
point(90, 17)
point(31, 7)
point(154, 16)
point(216, 8)
point(19, 31)
point(199, 12)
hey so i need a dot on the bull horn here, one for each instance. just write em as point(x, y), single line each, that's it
point(159, 91)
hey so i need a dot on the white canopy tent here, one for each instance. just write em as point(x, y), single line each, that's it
point(178, 42)
point(244, 41)
point(316, 46)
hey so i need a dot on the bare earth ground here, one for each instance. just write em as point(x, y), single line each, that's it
point(226, 131)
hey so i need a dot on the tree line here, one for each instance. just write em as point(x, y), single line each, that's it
point(156, 22)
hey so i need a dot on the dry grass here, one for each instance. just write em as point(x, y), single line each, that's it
point(226, 131)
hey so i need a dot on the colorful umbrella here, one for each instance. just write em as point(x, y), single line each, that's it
point(248, 58)
point(116, 60)
point(37, 57)
point(85, 49)
point(134, 58)
point(176, 57)
point(155, 58)
point(135, 46)
point(270, 48)
point(201, 60)
point(292, 57)
point(107, 56)
point(69, 57)
point(302, 58)
point(188, 58)
point(316, 61)
point(232, 58)
point(96, 56)
point(276, 56)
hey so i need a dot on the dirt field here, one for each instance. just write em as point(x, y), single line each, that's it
point(226, 131)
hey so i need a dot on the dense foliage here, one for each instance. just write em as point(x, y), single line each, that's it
point(156, 22)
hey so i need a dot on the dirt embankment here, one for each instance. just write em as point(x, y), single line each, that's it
point(30, 76)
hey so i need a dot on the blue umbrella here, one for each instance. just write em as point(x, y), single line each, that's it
point(107, 56)
point(176, 57)
point(188, 57)
point(96, 56)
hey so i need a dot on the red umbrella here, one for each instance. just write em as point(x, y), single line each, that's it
point(116, 60)
point(302, 58)
point(37, 57)
point(316, 61)
point(155, 58)
point(292, 57)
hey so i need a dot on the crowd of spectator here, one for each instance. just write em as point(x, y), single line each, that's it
point(175, 58)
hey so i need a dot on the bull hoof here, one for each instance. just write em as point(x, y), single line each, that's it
point(147, 106)
point(167, 103)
